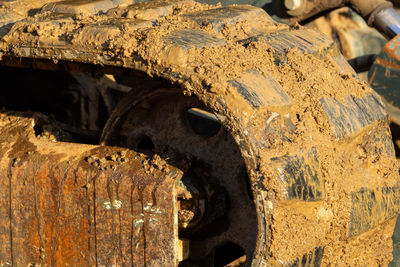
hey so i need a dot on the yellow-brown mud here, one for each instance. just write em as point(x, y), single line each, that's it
point(347, 165)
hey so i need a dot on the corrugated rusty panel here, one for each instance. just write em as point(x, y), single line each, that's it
point(75, 204)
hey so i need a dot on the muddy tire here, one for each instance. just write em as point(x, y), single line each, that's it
point(316, 145)
point(294, 153)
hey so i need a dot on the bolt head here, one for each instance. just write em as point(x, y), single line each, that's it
point(293, 4)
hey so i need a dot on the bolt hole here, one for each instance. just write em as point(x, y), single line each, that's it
point(202, 122)
point(145, 143)
point(229, 254)
point(298, 116)
point(38, 129)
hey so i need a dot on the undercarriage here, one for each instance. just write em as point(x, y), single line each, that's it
point(178, 133)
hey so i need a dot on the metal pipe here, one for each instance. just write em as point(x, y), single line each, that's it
point(368, 8)
point(387, 21)
point(378, 13)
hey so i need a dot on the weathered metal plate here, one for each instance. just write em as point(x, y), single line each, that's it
point(71, 204)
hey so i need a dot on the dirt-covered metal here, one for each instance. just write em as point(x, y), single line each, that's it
point(270, 117)
point(80, 205)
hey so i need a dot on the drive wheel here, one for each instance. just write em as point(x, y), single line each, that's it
point(222, 227)
point(288, 158)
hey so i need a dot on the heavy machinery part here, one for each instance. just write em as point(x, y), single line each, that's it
point(387, 21)
point(362, 63)
point(278, 9)
point(379, 14)
point(368, 9)
point(72, 204)
point(314, 140)
point(291, 11)
point(384, 76)
point(166, 122)
point(354, 37)
point(81, 101)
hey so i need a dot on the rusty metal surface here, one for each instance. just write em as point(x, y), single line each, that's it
point(384, 77)
point(71, 204)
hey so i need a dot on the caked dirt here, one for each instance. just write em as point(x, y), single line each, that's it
point(146, 40)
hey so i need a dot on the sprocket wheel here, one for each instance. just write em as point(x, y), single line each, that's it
point(181, 129)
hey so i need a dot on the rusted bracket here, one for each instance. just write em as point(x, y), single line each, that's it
point(81, 205)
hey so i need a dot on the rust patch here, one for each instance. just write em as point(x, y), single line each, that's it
point(72, 204)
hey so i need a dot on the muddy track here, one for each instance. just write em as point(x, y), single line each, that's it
point(314, 139)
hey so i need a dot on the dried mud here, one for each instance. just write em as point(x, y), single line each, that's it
point(347, 164)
